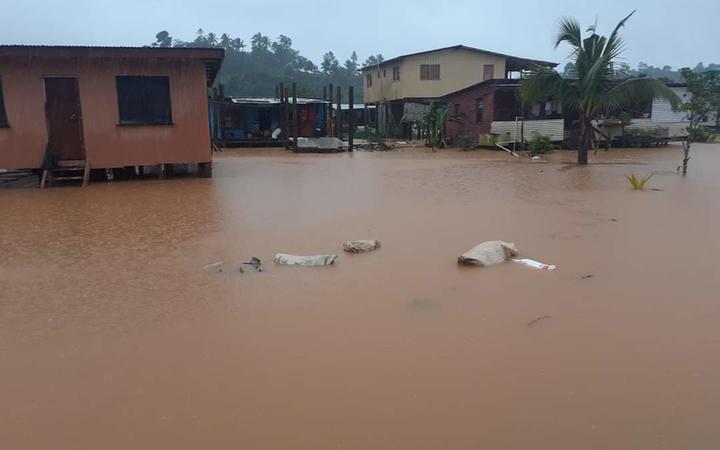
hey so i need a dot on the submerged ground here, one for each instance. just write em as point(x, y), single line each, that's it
point(113, 336)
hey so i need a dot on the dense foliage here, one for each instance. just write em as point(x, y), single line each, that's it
point(255, 71)
point(665, 73)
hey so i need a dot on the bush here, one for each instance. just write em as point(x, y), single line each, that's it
point(701, 134)
point(540, 145)
point(370, 135)
point(467, 141)
point(638, 184)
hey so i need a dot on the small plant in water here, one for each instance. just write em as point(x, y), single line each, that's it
point(638, 184)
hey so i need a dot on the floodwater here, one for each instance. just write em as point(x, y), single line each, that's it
point(113, 336)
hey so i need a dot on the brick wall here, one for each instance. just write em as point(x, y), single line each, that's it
point(466, 102)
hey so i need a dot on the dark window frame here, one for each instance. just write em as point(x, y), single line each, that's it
point(368, 80)
point(429, 72)
point(396, 73)
point(134, 109)
point(4, 122)
point(479, 109)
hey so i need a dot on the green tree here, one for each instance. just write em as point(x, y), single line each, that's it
point(351, 65)
point(163, 39)
point(569, 71)
point(330, 64)
point(374, 60)
point(595, 92)
point(704, 101)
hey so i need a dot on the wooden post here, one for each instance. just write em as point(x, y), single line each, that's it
point(282, 111)
point(330, 131)
point(296, 124)
point(324, 93)
point(686, 155)
point(338, 115)
point(351, 118)
point(286, 110)
point(221, 93)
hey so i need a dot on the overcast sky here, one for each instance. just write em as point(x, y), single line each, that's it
point(661, 32)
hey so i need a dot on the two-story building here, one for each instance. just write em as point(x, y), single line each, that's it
point(402, 86)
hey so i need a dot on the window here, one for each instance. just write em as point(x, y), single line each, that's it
point(396, 73)
point(3, 115)
point(429, 71)
point(368, 80)
point(479, 109)
point(144, 100)
point(488, 72)
point(457, 109)
point(384, 73)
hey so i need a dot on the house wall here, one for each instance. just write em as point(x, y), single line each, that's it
point(466, 104)
point(459, 68)
point(107, 144)
point(662, 111)
point(511, 131)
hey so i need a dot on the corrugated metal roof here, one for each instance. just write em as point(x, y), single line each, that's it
point(516, 59)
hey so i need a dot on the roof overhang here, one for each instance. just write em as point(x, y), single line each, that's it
point(212, 57)
point(515, 61)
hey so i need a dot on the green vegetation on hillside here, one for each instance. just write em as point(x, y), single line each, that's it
point(255, 71)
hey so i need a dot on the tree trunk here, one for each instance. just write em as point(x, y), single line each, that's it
point(585, 130)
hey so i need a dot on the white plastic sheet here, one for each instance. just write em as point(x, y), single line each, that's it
point(311, 261)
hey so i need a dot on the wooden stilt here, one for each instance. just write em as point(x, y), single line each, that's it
point(86, 174)
point(295, 116)
point(351, 117)
point(338, 114)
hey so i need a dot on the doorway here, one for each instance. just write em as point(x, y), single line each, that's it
point(64, 118)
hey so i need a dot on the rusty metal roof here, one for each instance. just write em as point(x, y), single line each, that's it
point(213, 57)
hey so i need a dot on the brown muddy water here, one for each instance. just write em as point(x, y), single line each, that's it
point(113, 336)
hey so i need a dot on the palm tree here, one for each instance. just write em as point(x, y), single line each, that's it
point(595, 91)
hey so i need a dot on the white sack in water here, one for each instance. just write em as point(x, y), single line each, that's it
point(489, 253)
point(362, 245)
point(293, 260)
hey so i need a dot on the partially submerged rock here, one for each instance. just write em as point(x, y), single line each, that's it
point(312, 261)
point(361, 245)
point(489, 253)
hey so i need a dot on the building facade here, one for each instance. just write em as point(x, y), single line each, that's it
point(109, 106)
point(427, 76)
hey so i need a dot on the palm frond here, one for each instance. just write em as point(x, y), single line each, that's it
point(615, 44)
point(569, 31)
point(543, 84)
point(636, 89)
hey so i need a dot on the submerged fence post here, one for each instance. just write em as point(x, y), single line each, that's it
point(330, 131)
point(351, 118)
point(338, 115)
point(295, 116)
point(286, 112)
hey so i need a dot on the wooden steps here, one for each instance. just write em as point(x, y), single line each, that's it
point(65, 170)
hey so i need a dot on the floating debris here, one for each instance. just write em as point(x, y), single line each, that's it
point(362, 245)
point(535, 264)
point(489, 253)
point(534, 322)
point(310, 261)
point(215, 267)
